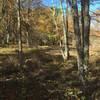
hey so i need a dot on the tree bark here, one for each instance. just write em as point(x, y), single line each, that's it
point(28, 12)
point(65, 32)
point(86, 33)
point(20, 34)
point(82, 24)
point(78, 40)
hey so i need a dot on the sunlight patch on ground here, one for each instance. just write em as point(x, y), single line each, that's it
point(12, 50)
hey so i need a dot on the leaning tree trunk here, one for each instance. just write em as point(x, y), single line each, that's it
point(56, 27)
point(65, 53)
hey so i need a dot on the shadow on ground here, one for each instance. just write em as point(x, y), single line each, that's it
point(45, 76)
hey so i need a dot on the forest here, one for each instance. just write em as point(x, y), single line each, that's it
point(49, 49)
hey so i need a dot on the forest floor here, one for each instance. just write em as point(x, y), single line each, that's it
point(45, 76)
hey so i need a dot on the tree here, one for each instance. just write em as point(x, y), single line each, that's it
point(67, 29)
point(86, 31)
point(19, 32)
point(82, 39)
point(78, 40)
point(65, 53)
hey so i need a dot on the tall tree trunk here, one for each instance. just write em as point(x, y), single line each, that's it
point(19, 26)
point(28, 16)
point(65, 32)
point(55, 23)
point(86, 32)
point(7, 30)
point(82, 24)
point(19, 32)
point(78, 40)
point(9, 35)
